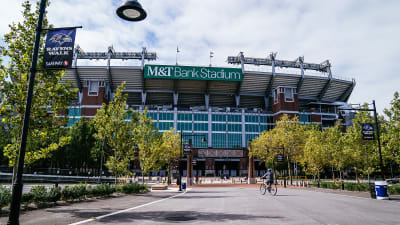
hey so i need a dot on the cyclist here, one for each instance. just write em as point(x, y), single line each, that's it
point(269, 178)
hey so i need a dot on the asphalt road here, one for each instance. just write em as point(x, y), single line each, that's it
point(239, 205)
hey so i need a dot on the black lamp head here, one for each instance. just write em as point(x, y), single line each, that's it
point(131, 10)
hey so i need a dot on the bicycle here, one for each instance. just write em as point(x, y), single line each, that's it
point(271, 189)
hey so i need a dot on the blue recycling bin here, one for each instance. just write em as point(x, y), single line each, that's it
point(381, 189)
point(183, 186)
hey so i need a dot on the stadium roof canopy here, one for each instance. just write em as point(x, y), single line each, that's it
point(256, 85)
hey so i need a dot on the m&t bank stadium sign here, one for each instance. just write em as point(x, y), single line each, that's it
point(192, 73)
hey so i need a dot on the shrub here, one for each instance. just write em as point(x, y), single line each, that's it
point(39, 194)
point(360, 187)
point(67, 193)
point(27, 198)
point(54, 194)
point(5, 196)
point(101, 190)
point(133, 188)
point(394, 189)
point(80, 191)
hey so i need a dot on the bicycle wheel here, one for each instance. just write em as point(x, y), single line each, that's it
point(263, 189)
point(273, 190)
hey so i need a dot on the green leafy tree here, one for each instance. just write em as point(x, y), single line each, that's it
point(115, 129)
point(364, 153)
point(78, 153)
point(334, 145)
point(148, 142)
point(170, 150)
point(391, 134)
point(5, 139)
point(50, 95)
point(315, 155)
point(291, 136)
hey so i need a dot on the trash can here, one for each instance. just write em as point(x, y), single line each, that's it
point(183, 186)
point(372, 190)
point(381, 190)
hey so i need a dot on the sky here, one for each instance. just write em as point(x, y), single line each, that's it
point(360, 38)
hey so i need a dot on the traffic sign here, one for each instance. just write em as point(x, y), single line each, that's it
point(279, 157)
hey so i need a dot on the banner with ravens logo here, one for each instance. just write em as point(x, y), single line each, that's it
point(59, 48)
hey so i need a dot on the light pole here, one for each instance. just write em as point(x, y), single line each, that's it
point(13, 217)
point(377, 133)
point(131, 10)
point(204, 140)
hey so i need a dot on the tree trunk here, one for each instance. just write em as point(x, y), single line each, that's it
point(333, 174)
point(355, 170)
point(289, 171)
point(169, 174)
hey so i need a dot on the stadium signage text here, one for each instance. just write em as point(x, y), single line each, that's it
point(192, 73)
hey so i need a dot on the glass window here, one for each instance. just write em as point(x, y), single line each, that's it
point(235, 127)
point(234, 118)
point(74, 112)
point(185, 116)
point(185, 126)
point(250, 137)
point(166, 116)
point(263, 119)
point(234, 140)
point(252, 128)
point(219, 127)
point(263, 127)
point(153, 115)
point(198, 141)
point(200, 126)
point(289, 95)
point(165, 125)
point(252, 119)
point(304, 118)
point(200, 117)
point(218, 140)
point(218, 118)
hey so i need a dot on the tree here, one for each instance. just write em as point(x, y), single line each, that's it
point(5, 139)
point(334, 144)
point(391, 134)
point(314, 156)
point(50, 95)
point(78, 153)
point(291, 136)
point(114, 128)
point(148, 142)
point(364, 154)
point(170, 150)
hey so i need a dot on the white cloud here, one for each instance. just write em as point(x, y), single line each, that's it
point(360, 38)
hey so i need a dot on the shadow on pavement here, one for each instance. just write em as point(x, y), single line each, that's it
point(178, 216)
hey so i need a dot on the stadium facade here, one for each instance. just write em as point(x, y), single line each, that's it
point(228, 105)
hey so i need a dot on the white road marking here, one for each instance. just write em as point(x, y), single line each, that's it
point(125, 210)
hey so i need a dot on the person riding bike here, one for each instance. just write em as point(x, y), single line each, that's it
point(269, 178)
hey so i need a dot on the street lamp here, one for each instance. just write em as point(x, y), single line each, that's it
point(203, 140)
point(131, 10)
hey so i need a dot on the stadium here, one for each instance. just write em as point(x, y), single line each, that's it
point(218, 110)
